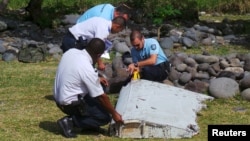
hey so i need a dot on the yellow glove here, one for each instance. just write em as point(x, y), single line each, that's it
point(136, 75)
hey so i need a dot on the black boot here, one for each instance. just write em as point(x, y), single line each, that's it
point(66, 125)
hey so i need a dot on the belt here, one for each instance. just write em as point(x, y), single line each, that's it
point(80, 39)
point(76, 107)
point(63, 107)
point(165, 65)
point(79, 43)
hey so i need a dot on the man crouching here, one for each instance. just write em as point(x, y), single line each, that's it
point(78, 91)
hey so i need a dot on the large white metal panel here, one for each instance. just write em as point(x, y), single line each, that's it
point(155, 110)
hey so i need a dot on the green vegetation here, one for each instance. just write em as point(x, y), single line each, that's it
point(225, 6)
point(215, 50)
point(159, 11)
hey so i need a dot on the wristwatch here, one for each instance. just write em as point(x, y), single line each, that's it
point(136, 64)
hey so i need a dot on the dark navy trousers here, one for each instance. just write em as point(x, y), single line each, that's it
point(69, 42)
point(155, 72)
point(90, 116)
point(95, 117)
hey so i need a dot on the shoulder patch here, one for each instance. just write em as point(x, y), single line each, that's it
point(153, 46)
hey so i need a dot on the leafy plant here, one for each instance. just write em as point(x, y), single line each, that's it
point(161, 12)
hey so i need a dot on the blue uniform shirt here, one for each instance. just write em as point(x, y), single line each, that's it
point(105, 11)
point(151, 46)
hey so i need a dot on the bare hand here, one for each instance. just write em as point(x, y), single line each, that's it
point(104, 81)
point(101, 66)
point(131, 68)
point(117, 118)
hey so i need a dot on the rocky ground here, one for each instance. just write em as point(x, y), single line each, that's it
point(219, 76)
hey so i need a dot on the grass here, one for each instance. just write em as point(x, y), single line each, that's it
point(225, 16)
point(216, 50)
point(28, 112)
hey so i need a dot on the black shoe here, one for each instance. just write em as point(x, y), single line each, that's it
point(66, 124)
point(97, 130)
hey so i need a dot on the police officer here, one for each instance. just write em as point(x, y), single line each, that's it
point(96, 27)
point(106, 11)
point(78, 91)
point(148, 58)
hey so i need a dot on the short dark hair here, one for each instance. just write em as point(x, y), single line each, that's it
point(123, 9)
point(96, 46)
point(135, 34)
point(119, 20)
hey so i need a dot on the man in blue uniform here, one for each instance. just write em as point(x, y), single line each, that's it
point(148, 57)
point(106, 11)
